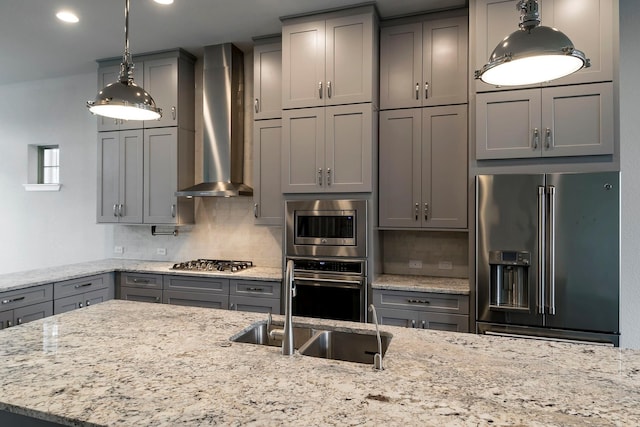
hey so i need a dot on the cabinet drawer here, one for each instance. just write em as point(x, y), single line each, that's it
point(255, 288)
point(72, 302)
point(141, 280)
point(140, 294)
point(196, 299)
point(254, 304)
point(23, 297)
point(81, 285)
point(197, 284)
point(422, 301)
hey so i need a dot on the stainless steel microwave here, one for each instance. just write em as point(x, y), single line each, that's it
point(326, 228)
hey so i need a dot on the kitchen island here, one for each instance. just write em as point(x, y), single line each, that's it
point(124, 363)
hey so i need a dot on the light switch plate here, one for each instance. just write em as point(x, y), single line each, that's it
point(118, 250)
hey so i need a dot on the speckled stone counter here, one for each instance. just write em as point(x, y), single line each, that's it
point(123, 363)
point(447, 285)
point(56, 274)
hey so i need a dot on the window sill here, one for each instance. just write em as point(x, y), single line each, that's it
point(42, 187)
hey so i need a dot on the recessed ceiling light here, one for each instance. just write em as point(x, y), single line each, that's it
point(164, 1)
point(67, 16)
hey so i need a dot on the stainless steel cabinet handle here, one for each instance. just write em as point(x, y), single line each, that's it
point(424, 324)
point(536, 138)
point(255, 289)
point(552, 249)
point(84, 285)
point(320, 177)
point(417, 210)
point(426, 90)
point(413, 323)
point(329, 89)
point(541, 240)
point(328, 176)
point(255, 210)
point(336, 281)
point(320, 90)
point(548, 141)
point(7, 301)
point(19, 321)
point(426, 211)
point(173, 210)
point(120, 209)
point(255, 105)
point(418, 301)
point(173, 113)
point(140, 280)
point(417, 91)
point(115, 210)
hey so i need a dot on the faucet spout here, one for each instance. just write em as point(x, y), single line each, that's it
point(286, 333)
point(377, 358)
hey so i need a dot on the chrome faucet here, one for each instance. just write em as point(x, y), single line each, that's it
point(377, 358)
point(286, 334)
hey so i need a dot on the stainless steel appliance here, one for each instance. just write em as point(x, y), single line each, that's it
point(212, 265)
point(327, 241)
point(326, 228)
point(548, 255)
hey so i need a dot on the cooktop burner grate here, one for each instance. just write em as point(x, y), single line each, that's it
point(212, 265)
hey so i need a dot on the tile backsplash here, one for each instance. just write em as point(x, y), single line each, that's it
point(437, 253)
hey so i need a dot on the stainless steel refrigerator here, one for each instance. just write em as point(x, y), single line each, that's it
point(548, 251)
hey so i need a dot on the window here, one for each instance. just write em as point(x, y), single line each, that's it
point(48, 164)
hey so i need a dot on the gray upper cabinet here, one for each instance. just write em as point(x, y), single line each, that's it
point(328, 59)
point(423, 168)
point(549, 122)
point(588, 23)
point(424, 63)
point(168, 166)
point(120, 176)
point(267, 81)
point(267, 176)
point(328, 149)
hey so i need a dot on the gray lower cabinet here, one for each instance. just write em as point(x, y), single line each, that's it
point(426, 310)
point(82, 292)
point(254, 295)
point(196, 291)
point(25, 305)
point(143, 287)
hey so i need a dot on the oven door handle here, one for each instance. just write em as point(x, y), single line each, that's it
point(335, 283)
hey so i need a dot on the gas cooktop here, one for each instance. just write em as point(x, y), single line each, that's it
point(212, 265)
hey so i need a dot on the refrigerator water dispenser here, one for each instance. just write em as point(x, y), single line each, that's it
point(509, 280)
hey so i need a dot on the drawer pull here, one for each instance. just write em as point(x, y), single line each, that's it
point(255, 289)
point(140, 280)
point(7, 301)
point(84, 285)
point(418, 301)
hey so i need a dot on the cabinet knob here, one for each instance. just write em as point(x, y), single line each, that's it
point(173, 113)
point(417, 210)
point(80, 305)
point(255, 210)
point(426, 211)
point(115, 210)
point(320, 90)
point(120, 209)
point(19, 321)
point(424, 324)
point(173, 210)
point(413, 323)
point(536, 138)
point(548, 140)
point(320, 177)
point(329, 89)
point(426, 90)
point(256, 107)
point(88, 303)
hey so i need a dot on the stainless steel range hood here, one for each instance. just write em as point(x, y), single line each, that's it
point(223, 124)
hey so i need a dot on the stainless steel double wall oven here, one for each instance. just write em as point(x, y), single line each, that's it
point(327, 241)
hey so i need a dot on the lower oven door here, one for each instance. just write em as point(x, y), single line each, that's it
point(329, 297)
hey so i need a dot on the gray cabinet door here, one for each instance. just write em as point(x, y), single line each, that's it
point(160, 175)
point(349, 59)
point(73, 302)
point(444, 322)
point(508, 124)
point(577, 120)
point(161, 81)
point(267, 81)
point(108, 176)
point(303, 134)
point(140, 294)
point(303, 64)
point(400, 169)
point(396, 317)
point(400, 66)
point(444, 62)
point(33, 312)
point(254, 304)
point(267, 176)
point(348, 148)
point(444, 167)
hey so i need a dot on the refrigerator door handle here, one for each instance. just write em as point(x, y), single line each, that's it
point(541, 249)
point(552, 249)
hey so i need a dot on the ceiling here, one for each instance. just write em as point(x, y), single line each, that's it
point(35, 45)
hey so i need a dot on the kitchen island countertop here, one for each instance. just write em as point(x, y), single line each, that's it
point(125, 363)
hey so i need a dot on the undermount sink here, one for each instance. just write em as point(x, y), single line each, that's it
point(348, 346)
point(358, 347)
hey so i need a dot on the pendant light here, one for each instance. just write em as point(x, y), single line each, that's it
point(124, 99)
point(532, 54)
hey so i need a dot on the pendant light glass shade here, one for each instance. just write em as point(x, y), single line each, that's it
point(124, 99)
point(533, 54)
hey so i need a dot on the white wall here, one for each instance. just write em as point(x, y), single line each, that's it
point(41, 229)
point(629, 158)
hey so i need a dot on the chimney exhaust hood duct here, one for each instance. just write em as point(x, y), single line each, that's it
point(223, 124)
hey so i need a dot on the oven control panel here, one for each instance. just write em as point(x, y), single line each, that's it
point(352, 267)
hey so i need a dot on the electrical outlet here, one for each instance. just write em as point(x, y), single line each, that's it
point(445, 265)
point(161, 251)
point(415, 263)
point(118, 250)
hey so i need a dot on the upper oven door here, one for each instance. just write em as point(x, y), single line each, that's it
point(326, 228)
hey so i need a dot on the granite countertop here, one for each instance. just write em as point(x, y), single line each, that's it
point(448, 285)
point(124, 363)
point(40, 276)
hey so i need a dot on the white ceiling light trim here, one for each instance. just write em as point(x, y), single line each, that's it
point(533, 54)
